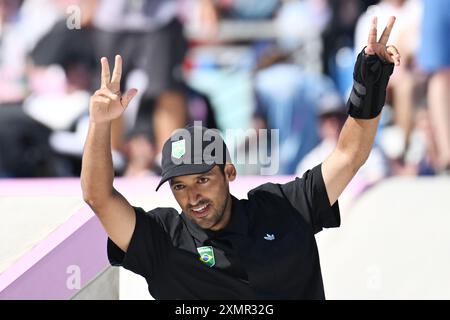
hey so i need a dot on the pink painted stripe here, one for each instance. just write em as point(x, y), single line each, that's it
point(44, 247)
point(83, 253)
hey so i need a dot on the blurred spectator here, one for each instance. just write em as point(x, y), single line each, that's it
point(12, 54)
point(405, 82)
point(434, 59)
point(59, 107)
point(60, 78)
point(24, 148)
point(69, 143)
point(286, 99)
point(140, 154)
point(149, 36)
point(340, 30)
point(332, 115)
point(421, 157)
point(21, 26)
point(199, 108)
point(299, 25)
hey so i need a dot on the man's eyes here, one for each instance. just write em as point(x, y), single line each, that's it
point(179, 187)
point(203, 180)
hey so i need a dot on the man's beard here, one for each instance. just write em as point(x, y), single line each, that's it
point(216, 216)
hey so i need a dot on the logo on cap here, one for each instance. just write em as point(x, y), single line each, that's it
point(178, 148)
point(207, 255)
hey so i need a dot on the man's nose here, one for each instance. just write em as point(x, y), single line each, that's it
point(193, 196)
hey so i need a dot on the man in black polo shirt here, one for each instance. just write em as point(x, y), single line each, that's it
point(220, 247)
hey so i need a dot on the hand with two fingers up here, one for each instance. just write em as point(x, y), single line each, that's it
point(107, 103)
point(388, 53)
point(371, 74)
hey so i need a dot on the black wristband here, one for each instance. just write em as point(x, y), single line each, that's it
point(370, 79)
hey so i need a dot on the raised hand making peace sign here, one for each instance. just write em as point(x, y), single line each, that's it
point(384, 52)
point(373, 68)
point(107, 103)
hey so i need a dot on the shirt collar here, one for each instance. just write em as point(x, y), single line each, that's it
point(238, 223)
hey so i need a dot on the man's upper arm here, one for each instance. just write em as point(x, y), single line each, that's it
point(308, 197)
point(337, 172)
point(118, 219)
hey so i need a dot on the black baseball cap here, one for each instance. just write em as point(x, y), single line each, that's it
point(192, 150)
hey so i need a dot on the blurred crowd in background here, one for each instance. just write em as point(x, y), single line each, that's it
point(232, 64)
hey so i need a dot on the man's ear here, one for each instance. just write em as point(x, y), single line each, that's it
point(230, 172)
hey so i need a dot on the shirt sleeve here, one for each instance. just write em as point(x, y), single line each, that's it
point(309, 197)
point(146, 248)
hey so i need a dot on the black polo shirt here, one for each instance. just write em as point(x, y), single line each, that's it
point(267, 251)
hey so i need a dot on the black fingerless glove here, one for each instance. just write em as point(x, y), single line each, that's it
point(370, 79)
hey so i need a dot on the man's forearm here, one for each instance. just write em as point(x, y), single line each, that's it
point(357, 138)
point(367, 98)
point(373, 68)
point(97, 172)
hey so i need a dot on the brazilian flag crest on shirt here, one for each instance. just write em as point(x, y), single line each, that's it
point(207, 255)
